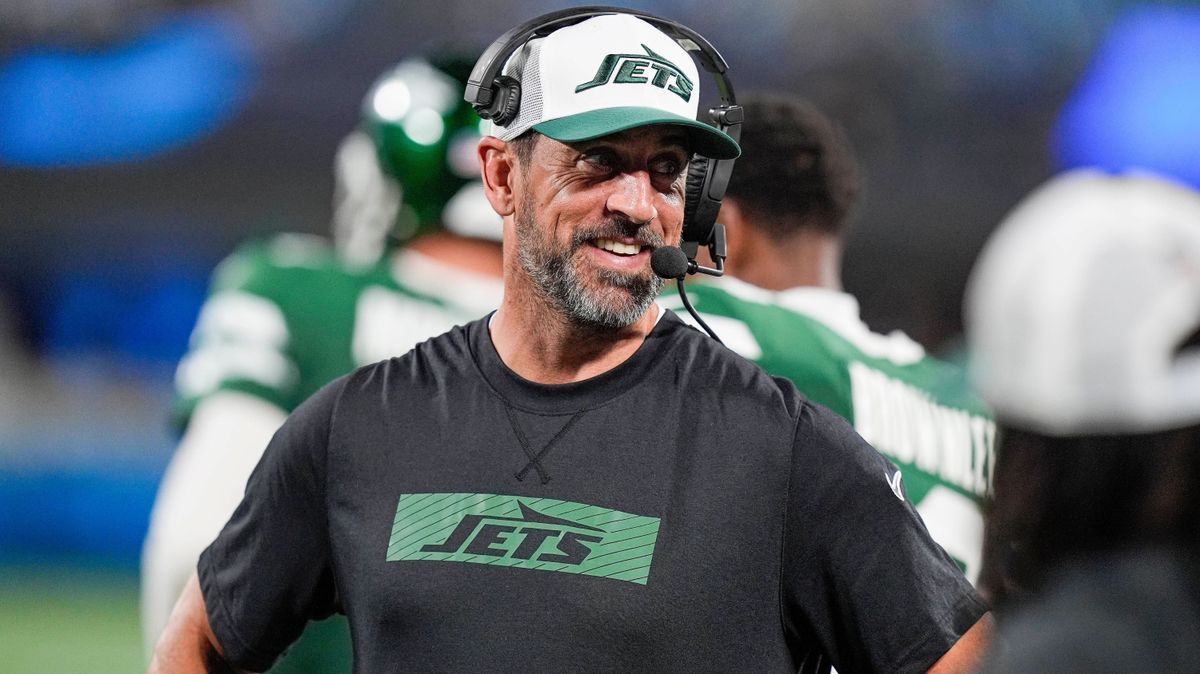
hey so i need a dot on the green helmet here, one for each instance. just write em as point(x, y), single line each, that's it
point(411, 167)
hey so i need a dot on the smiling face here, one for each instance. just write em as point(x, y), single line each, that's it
point(590, 213)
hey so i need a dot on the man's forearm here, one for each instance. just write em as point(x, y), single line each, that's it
point(967, 654)
point(188, 645)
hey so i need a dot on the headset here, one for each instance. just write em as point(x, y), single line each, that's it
point(498, 97)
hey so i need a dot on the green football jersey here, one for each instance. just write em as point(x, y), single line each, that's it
point(287, 316)
point(915, 409)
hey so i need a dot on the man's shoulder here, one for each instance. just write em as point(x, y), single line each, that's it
point(815, 335)
point(710, 364)
point(787, 345)
point(827, 321)
point(759, 325)
point(285, 266)
point(430, 362)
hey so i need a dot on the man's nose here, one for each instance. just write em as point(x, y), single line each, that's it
point(633, 197)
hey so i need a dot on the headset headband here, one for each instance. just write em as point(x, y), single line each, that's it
point(480, 91)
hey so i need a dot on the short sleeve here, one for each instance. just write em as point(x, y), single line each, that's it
point(270, 569)
point(861, 576)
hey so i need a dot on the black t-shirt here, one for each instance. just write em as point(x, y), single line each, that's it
point(682, 511)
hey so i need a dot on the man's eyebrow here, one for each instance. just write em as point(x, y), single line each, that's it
point(679, 139)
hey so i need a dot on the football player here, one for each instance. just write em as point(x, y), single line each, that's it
point(288, 314)
point(786, 210)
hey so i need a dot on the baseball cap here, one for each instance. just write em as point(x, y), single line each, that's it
point(605, 75)
point(1081, 304)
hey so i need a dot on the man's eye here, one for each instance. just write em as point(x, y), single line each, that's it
point(668, 168)
point(604, 161)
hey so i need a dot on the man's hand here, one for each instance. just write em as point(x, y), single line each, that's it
point(188, 645)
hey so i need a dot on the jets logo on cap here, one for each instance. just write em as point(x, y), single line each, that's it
point(641, 69)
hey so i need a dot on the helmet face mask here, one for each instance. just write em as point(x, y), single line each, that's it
point(366, 203)
point(424, 137)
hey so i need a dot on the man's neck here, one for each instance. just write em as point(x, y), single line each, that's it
point(807, 259)
point(539, 343)
point(474, 255)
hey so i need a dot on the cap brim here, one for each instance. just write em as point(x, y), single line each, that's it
point(706, 140)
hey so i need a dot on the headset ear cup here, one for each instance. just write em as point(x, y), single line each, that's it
point(507, 102)
point(694, 189)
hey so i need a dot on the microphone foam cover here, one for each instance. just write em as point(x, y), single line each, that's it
point(669, 262)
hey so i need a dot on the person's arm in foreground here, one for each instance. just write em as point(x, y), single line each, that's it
point(188, 644)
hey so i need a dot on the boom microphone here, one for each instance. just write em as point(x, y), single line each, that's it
point(670, 262)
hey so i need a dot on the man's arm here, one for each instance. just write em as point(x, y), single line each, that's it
point(967, 653)
point(268, 572)
point(188, 644)
point(861, 574)
point(203, 485)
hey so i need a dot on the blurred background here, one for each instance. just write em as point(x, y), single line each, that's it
point(140, 140)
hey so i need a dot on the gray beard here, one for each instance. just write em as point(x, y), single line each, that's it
point(620, 301)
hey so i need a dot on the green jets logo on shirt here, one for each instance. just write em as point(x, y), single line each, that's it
point(638, 69)
point(523, 532)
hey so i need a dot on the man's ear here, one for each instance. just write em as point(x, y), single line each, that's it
point(735, 224)
point(497, 163)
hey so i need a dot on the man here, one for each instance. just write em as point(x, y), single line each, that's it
point(288, 315)
point(787, 209)
point(1083, 320)
point(579, 481)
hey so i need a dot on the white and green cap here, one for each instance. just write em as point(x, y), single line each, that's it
point(608, 74)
